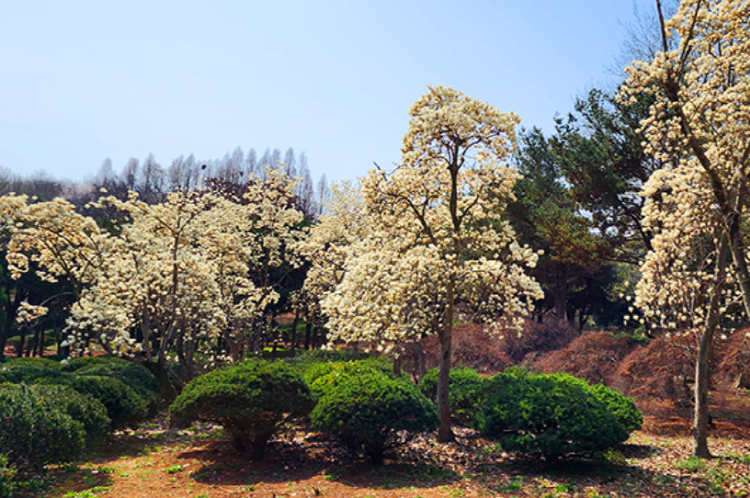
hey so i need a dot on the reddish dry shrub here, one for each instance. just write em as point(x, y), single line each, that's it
point(594, 356)
point(473, 346)
point(538, 338)
point(663, 370)
point(733, 355)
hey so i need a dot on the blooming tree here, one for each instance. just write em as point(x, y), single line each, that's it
point(436, 238)
point(697, 207)
point(172, 278)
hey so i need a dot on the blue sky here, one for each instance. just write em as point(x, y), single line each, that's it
point(81, 81)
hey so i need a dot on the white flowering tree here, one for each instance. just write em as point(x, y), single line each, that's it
point(699, 127)
point(174, 277)
point(436, 238)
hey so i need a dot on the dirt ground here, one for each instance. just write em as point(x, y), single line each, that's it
point(200, 463)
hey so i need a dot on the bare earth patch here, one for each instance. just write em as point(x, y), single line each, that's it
point(200, 463)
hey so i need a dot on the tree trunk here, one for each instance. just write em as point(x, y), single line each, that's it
point(420, 362)
point(700, 415)
point(21, 341)
point(445, 434)
point(561, 293)
point(308, 332)
point(293, 337)
point(40, 346)
point(11, 310)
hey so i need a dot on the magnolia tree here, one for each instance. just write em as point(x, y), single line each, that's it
point(435, 236)
point(696, 274)
point(332, 240)
point(174, 277)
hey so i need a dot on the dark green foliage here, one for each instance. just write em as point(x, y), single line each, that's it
point(28, 370)
point(124, 406)
point(314, 373)
point(368, 408)
point(623, 408)
point(547, 415)
point(250, 400)
point(81, 407)
point(46, 363)
point(135, 376)
point(466, 389)
point(82, 362)
point(36, 431)
point(315, 356)
point(7, 473)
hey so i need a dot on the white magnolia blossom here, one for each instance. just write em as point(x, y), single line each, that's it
point(699, 127)
point(178, 273)
point(431, 234)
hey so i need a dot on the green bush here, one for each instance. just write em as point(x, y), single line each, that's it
point(36, 431)
point(87, 410)
point(75, 364)
point(7, 473)
point(137, 377)
point(29, 370)
point(313, 356)
point(34, 362)
point(124, 406)
point(250, 400)
point(542, 414)
point(368, 408)
point(319, 378)
point(622, 407)
point(466, 389)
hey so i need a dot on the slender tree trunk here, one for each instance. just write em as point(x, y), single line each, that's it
point(308, 332)
point(445, 434)
point(740, 265)
point(700, 415)
point(21, 341)
point(293, 338)
point(420, 364)
point(11, 310)
point(40, 346)
point(561, 293)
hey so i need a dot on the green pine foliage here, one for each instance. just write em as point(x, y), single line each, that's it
point(622, 407)
point(368, 408)
point(124, 406)
point(87, 410)
point(546, 415)
point(36, 430)
point(7, 475)
point(466, 390)
point(251, 400)
point(324, 377)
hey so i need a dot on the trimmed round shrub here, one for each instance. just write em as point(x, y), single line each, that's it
point(36, 431)
point(367, 409)
point(323, 377)
point(466, 389)
point(622, 407)
point(87, 410)
point(75, 364)
point(312, 356)
point(540, 414)
point(124, 406)
point(29, 370)
point(250, 400)
point(137, 377)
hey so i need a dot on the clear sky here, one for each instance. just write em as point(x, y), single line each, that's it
point(81, 81)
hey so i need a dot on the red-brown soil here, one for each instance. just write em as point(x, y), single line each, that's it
point(156, 462)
